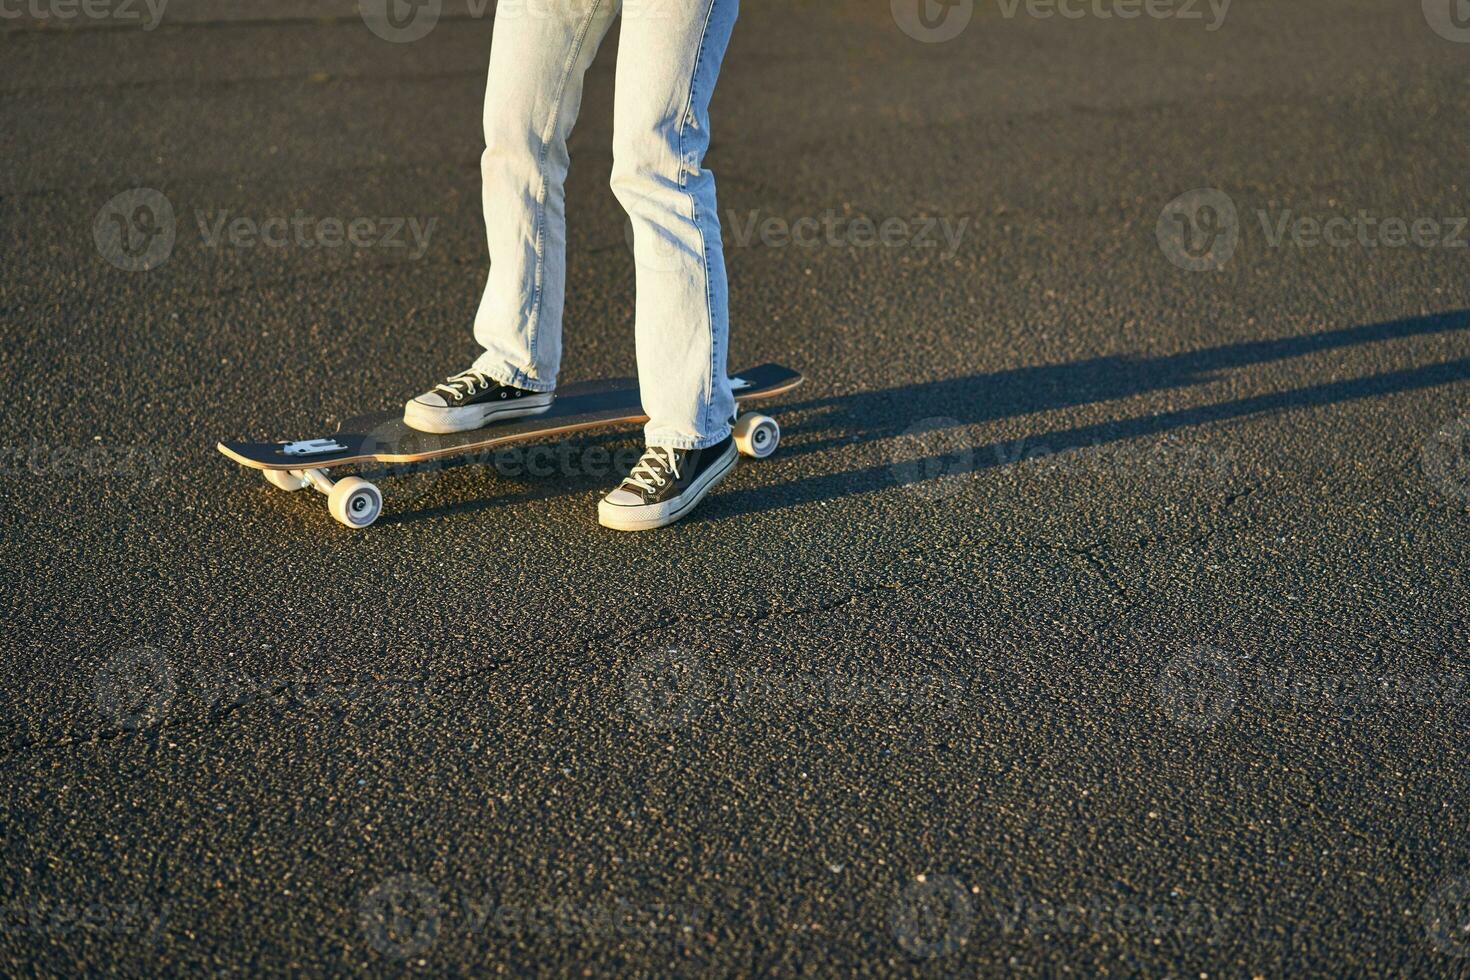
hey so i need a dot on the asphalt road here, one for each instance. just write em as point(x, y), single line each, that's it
point(1104, 610)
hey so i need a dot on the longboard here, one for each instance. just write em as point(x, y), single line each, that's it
point(383, 437)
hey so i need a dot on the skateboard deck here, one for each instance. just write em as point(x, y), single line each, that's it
point(384, 438)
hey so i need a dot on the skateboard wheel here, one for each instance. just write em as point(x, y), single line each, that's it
point(757, 436)
point(284, 480)
point(355, 502)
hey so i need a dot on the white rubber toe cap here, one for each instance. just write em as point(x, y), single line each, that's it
point(623, 498)
point(432, 399)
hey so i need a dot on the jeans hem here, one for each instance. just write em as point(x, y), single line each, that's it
point(671, 441)
point(515, 377)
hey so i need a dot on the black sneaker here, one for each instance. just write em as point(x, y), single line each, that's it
point(665, 485)
point(469, 400)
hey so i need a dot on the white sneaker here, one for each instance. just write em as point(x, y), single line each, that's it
point(665, 486)
point(469, 400)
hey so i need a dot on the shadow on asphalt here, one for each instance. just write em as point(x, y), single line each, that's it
point(928, 411)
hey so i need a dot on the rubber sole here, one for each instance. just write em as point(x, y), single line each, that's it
point(647, 517)
point(442, 421)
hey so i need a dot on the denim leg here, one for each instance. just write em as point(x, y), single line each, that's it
point(538, 56)
point(668, 62)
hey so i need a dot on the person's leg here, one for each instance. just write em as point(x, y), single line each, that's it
point(668, 61)
point(539, 53)
point(669, 58)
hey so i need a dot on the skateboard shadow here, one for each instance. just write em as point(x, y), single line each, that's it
point(940, 409)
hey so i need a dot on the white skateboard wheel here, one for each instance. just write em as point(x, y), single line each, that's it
point(284, 479)
point(757, 436)
point(355, 502)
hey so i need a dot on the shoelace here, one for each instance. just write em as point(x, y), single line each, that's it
point(465, 383)
point(646, 471)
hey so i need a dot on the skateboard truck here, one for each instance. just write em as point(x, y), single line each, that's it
point(352, 500)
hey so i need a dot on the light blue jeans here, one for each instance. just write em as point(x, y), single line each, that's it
point(669, 58)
